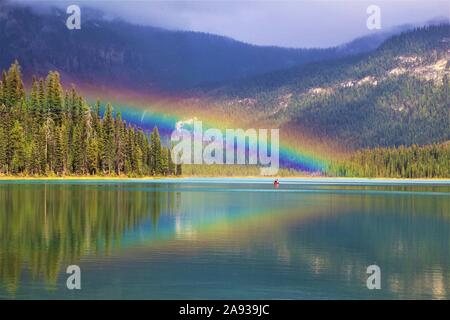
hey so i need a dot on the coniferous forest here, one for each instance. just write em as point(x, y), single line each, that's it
point(429, 161)
point(51, 131)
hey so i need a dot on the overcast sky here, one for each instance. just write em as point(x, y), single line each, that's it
point(292, 23)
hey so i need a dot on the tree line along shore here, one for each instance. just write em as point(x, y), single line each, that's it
point(428, 161)
point(55, 132)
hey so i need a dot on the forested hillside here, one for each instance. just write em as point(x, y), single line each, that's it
point(55, 132)
point(110, 51)
point(396, 95)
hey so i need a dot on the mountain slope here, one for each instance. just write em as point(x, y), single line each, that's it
point(106, 52)
point(395, 95)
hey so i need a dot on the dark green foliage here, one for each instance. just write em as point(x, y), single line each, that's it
point(401, 111)
point(55, 132)
point(156, 164)
point(17, 140)
point(13, 90)
point(330, 100)
point(430, 161)
point(108, 140)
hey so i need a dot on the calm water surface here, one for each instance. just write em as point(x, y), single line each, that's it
point(224, 239)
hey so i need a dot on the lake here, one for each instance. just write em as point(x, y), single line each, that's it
point(224, 239)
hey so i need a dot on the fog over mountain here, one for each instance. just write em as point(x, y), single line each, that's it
point(113, 51)
point(300, 23)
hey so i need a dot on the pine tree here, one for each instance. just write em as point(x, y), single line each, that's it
point(164, 161)
point(119, 142)
point(129, 151)
point(18, 148)
point(42, 108)
point(54, 97)
point(92, 155)
point(155, 152)
point(49, 133)
point(59, 151)
point(3, 147)
point(41, 151)
point(34, 98)
point(142, 144)
point(96, 116)
point(35, 165)
point(75, 105)
point(15, 91)
point(108, 155)
point(86, 132)
point(77, 150)
point(134, 154)
point(53, 131)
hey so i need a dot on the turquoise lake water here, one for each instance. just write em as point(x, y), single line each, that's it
point(225, 239)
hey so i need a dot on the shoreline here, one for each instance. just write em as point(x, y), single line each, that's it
point(319, 179)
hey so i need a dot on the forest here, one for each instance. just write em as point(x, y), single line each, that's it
point(358, 100)
point(52, 131)
point(429, 161)
point(55, 132)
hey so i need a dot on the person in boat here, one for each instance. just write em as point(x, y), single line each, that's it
point(276, 183)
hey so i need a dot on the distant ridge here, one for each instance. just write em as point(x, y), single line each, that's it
point(397, 94)
point(109, 51)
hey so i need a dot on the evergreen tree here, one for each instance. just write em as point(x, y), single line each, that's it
point(35, 166)
point(108, 155)
point(92, 155)
point(155, 152)
point(119, 142)
point(34, 98)
point(164, 161)
point(53, 131)
point(77, 150)
point(49, 133)
point(429, 161)
point(41, 151)
point(59, 151)
point(18, 148)
point(3, 148)
point(54, 97)
point(14, 91)
point(42, 107)
point(96, 116)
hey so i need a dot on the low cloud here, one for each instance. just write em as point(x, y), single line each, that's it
point(302, 23)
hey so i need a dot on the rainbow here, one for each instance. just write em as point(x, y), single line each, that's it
point(297, 150)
